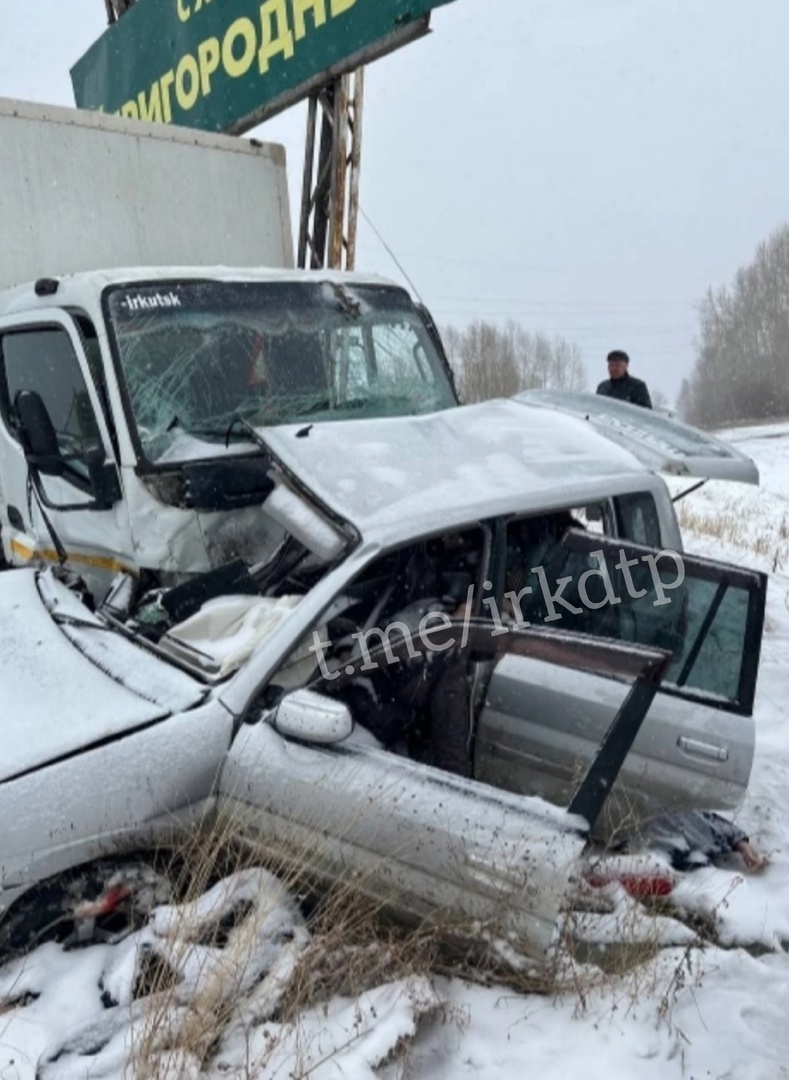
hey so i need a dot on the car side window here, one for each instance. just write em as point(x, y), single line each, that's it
point(637, 518)
point(707, 614)
point(43, 359)
point(703, 621)
point(595, 517)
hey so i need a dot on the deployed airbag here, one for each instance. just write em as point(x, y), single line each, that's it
point(229, 629)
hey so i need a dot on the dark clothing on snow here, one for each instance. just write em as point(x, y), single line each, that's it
point(627, 388)
point(690, 838)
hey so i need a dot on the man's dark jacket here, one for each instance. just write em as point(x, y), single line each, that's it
point(626, 389)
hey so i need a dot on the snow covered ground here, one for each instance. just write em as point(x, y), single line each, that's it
point(717, 1013)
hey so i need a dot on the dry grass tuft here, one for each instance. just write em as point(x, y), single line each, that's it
point(735, 527)
point(198, 984)
point(351, 947)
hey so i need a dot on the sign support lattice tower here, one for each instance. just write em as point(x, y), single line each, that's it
point(332, 161)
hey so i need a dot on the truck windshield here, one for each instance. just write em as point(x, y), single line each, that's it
point(197, 358)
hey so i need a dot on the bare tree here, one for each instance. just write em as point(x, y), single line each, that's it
point(488, 363)
point(492, 361)
point(742, 363)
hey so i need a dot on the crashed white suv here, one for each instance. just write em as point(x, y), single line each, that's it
point(472, 615)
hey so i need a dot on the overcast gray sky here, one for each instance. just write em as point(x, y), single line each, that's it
point(587, 167)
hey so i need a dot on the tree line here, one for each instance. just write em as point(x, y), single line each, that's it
point(493, 361)
point(741, 370)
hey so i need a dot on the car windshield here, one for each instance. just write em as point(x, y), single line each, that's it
point(199, 359)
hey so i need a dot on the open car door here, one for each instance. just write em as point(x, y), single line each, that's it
point(658, 441)
point(413, 836)
point(537, 733)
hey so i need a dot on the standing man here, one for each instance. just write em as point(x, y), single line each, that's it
point(620, 383)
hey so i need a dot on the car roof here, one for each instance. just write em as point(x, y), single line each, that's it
point(397, 477)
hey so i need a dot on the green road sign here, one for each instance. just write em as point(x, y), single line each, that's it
point(226, 65)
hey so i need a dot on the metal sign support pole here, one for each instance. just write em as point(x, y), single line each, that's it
point(116, 8)
point(332, 162)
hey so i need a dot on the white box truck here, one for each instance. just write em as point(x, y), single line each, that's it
point(151, 325)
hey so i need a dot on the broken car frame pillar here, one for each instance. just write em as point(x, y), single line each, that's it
point(332, 160)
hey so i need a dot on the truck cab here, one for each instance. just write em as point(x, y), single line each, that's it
point(133, 402)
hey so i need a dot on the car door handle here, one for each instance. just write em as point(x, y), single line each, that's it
point(708, 751)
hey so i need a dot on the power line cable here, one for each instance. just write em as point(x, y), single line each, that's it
point(392, 255)
point(573, 305)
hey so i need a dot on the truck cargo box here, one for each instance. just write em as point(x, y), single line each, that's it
point(81, 191)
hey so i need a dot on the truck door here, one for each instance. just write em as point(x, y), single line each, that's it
point(78, 516)
point(695, 749)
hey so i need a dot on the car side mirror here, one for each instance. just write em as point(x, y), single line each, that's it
point(37, 433)
point(312, 718)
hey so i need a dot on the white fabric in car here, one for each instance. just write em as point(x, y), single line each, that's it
point(230, 628)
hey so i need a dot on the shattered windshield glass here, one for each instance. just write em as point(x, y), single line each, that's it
point(200, 358)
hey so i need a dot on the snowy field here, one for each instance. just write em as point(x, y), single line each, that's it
point(713, 1013)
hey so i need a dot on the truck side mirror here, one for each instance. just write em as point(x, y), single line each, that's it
point(93, 452)
point(40, 444)
point(103, 477)
point(37, 433)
